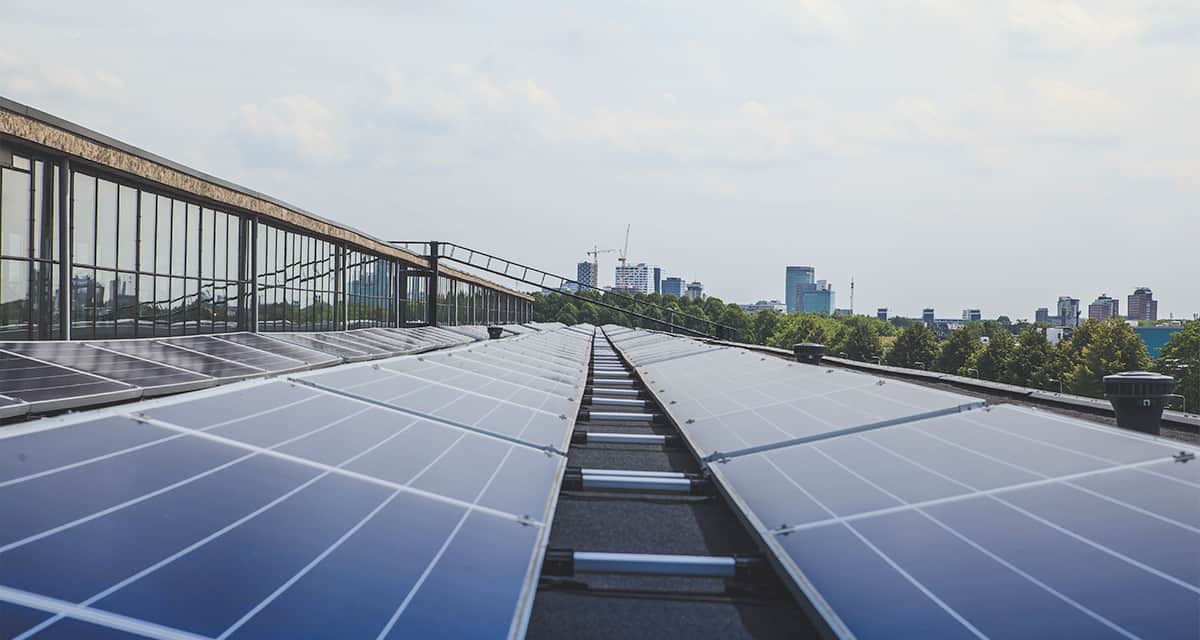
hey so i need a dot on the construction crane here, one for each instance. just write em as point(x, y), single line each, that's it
point(624, 258)
point(595, 253)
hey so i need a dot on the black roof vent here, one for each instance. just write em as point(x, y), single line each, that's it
point(809, 352)
point(1138, 397)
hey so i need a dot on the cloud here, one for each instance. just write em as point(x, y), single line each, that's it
point(1061, 26)
point(294, 127)
point(39, 79)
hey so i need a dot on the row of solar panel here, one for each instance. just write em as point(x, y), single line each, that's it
point(45, 376)
point(903, 511)
point(408, 497)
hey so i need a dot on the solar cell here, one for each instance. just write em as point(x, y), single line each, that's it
point(49, 387)
point(238, 353)
point(152, 377)
point(316, 342)
point(269, 344)
point(159, 351)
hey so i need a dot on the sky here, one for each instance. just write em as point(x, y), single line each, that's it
point(988, 154)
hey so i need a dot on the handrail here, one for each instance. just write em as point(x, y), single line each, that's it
point(544, 279)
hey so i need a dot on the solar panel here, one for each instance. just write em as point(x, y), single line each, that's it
point(159, 351)
point(49, 387)
point(240, 354)
point(275, 509)
point(988, 522)
point(10, 407)
point(152, 377)
point(311, 357)
point(318, 343)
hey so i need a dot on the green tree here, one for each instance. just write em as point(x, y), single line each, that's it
point(1113, 348)
point(959, 349)
point(764, 325)
point(568, 314)
point(916, 347)
point(992, 362)
point(1034, 361)
point(1181, 359)
point(860, 339)
point(803, 327)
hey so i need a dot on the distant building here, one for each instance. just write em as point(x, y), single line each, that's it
point(763, 305)
point(695, 290)
point(927, 315)
point(796, 279)
point(817, 298)
point(657, 275)
point(1068, 312)
point(585, 273)
point(882, 313)
point(1156, 338)
point(632, 278)
point(1042, 315)
point(673, 287)
point(972, 315)
point(1055, 335)
point(1104, 308)
point(843, 313)
point(1141, 305)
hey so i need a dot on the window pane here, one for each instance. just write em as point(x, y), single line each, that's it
point(14, 212)
point(126, 299)
point(127, 229)
point(14, 299)
point(84, 298)
point(220, 240)
point(147, 234)
point(178, 237)
point(145, 306)
point(162, 247)
point(192, 235)
point(83, 219)
point(105, 293)
point(162, 306)
point(106, 224)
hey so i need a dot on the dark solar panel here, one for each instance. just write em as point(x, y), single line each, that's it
point(280, 348)
point(152, 377)
point(274, 509)
point(48, 387)
point(1000, 522)
point(159, 351)
point(316, 342)
point(240, 354)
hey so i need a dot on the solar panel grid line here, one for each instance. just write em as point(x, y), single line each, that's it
point(239, 354)
point(122, 391)
point(1054, 480)
point(973, 493)
point(308, 567)
point(300, 364)
point(524, 368)
point(171, 345)
point(439, 362)
point(108, 620)
point(472, 393)
point(272, 344)
point(883, 424)
point(174, 387)
point(427, 416)
point(316, 341)
point(995, 496)
point(489, 364)
point(335, 469)
point(530, 351)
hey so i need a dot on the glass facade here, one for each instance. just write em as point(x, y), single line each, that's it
point(143, 261)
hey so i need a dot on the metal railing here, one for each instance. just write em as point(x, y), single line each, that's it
point(533, 276)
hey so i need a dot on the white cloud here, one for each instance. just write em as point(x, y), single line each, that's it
point(36, 77)
point(297, 125)
point(1065, 25)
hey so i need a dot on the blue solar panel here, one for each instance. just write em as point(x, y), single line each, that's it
point(985, 522)
point(276, 509)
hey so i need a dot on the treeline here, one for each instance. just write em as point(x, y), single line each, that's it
point(1014, 354)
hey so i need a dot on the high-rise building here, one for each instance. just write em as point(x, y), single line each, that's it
point(1104, 308)
point(1042, 315)
point(657, 272)
point(585, 273)
point(695, 290)
point(673, 287)
point(927, 315)
point(632, 278)
point(796, 278)
point(763, 305)
point(1068, 311)
point(972, 315)
point(882, 313)
point(816, 298)
point(1141, 305)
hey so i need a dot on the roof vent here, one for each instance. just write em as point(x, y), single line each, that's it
point(494, 332)
point(1138, 397)
point(809, 352)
